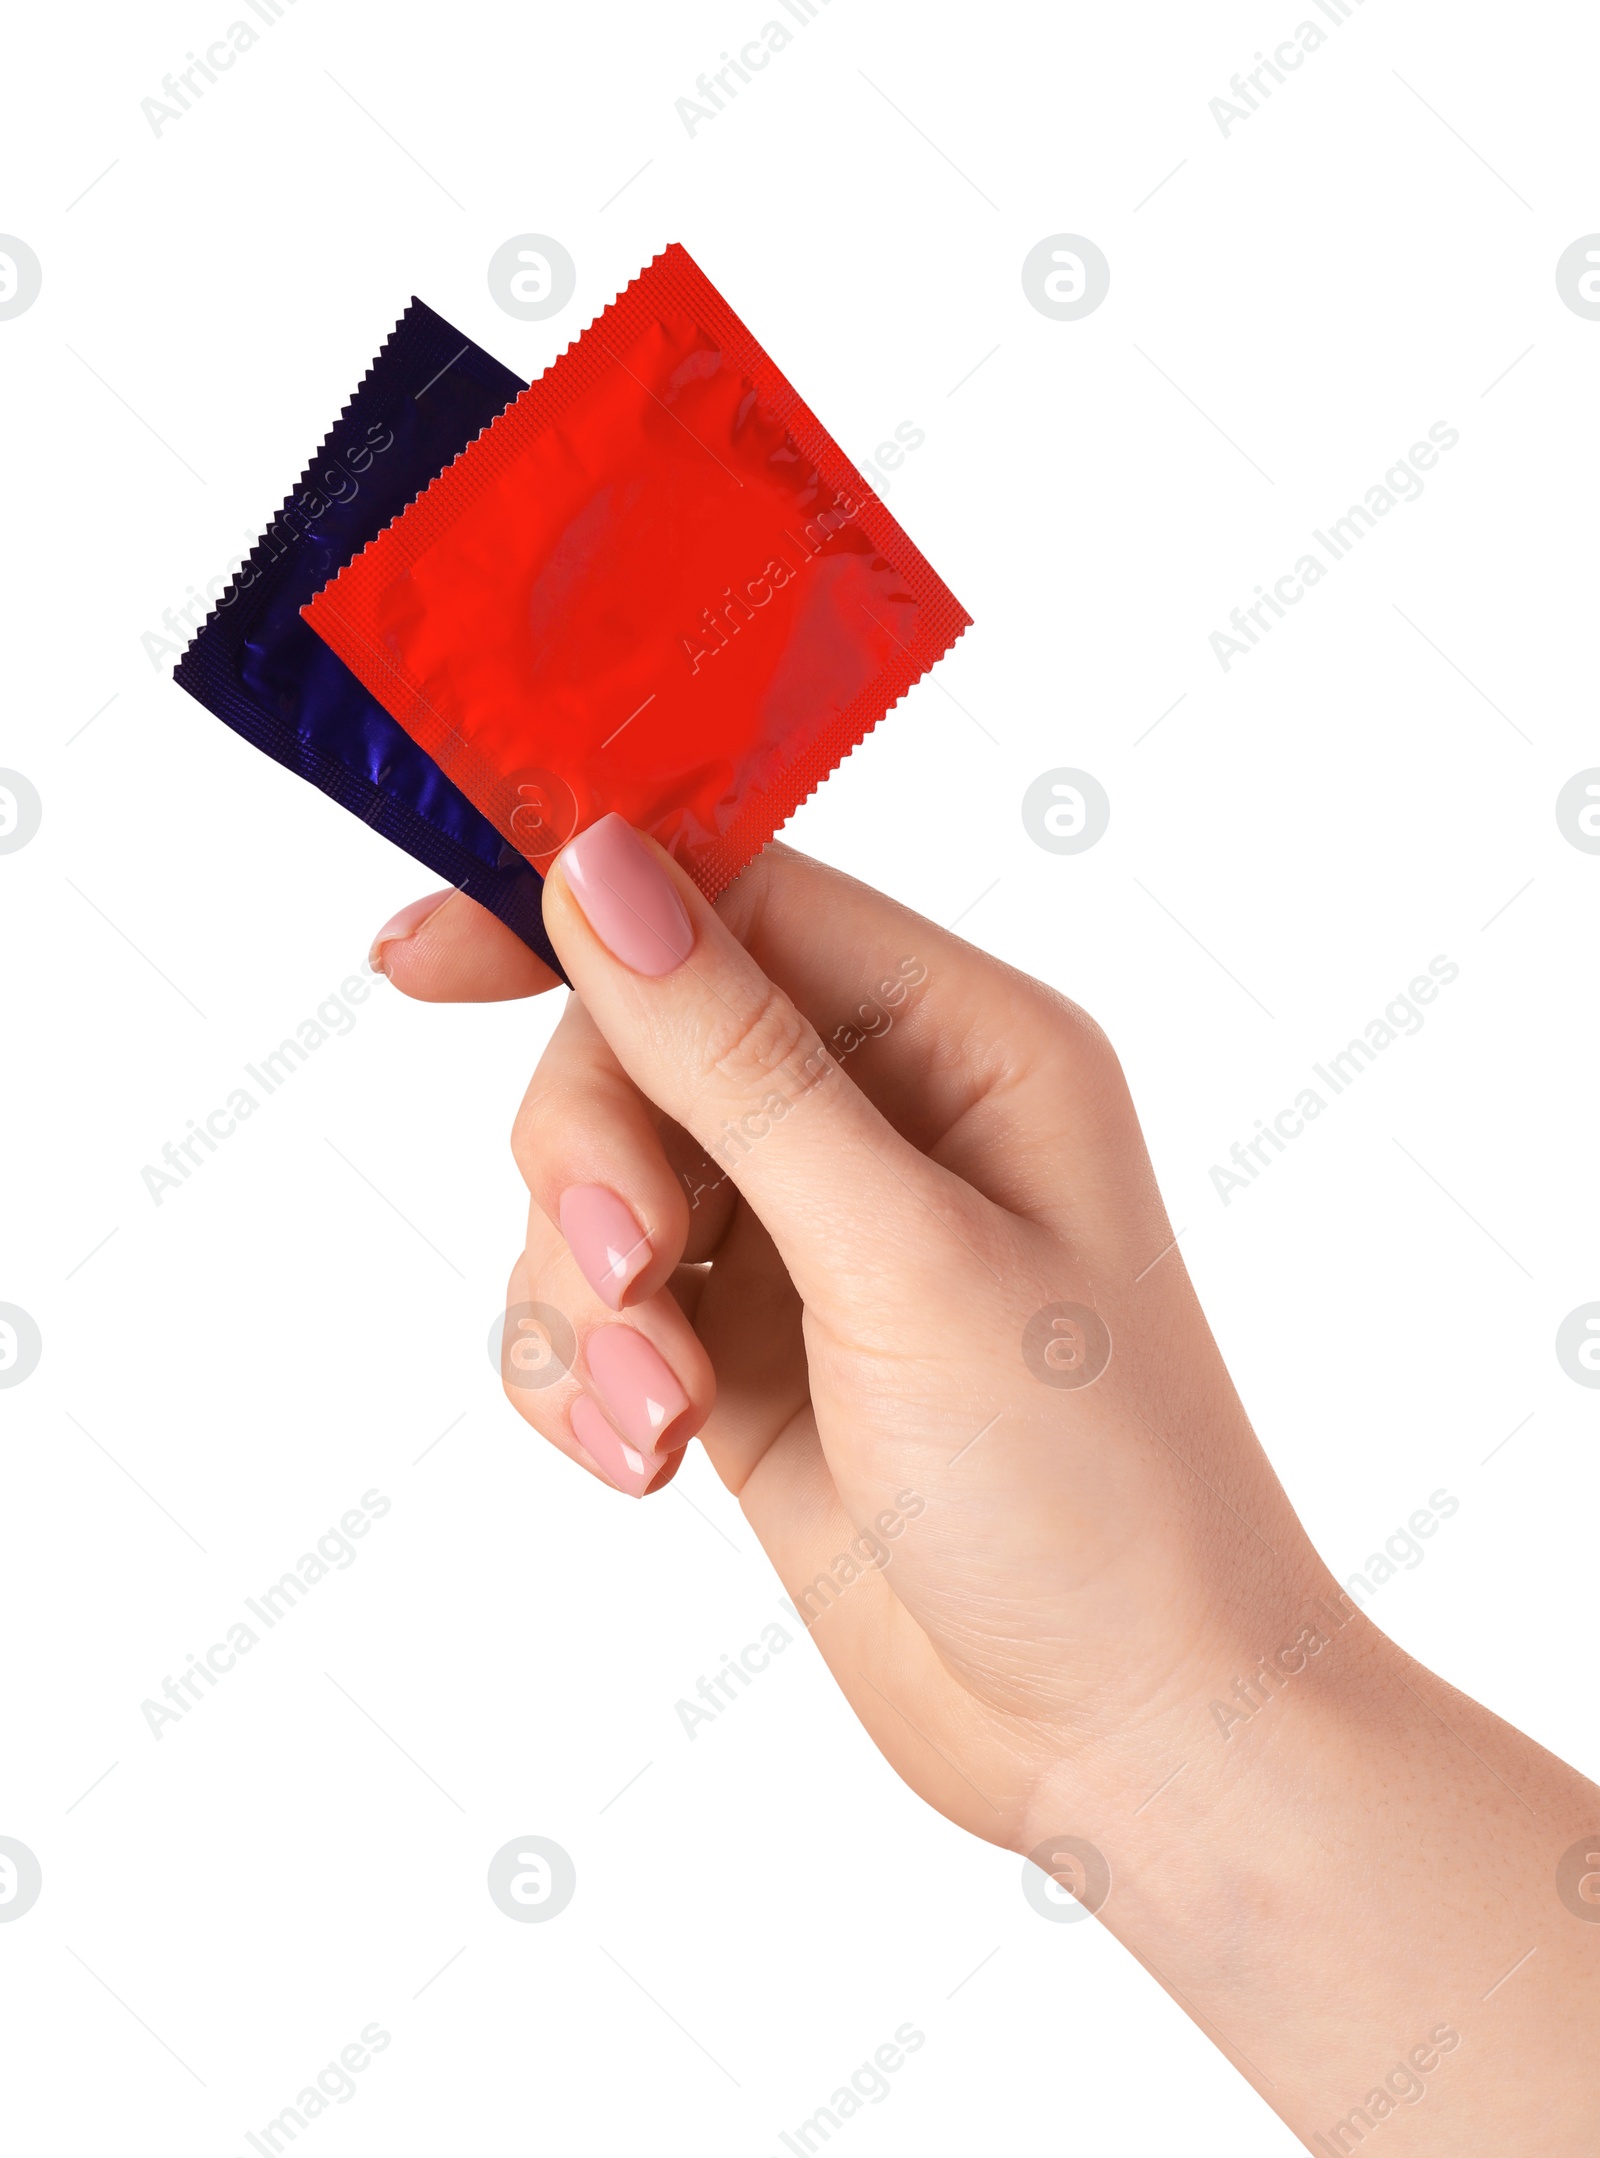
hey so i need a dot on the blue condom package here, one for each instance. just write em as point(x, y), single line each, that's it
point(261, 670)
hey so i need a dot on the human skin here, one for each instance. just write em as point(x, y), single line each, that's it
point(862, 1156)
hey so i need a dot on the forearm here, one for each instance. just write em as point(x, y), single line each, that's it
point(1352, 1888)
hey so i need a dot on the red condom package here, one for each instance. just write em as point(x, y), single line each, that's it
point(654, 585)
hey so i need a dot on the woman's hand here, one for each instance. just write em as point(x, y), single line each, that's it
point(867, 1212)
point(871, 1215)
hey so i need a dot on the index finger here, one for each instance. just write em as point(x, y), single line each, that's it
point(714, 1042)
point(446, 949)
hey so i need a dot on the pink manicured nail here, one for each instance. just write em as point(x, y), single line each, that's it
point(627, 899)
point(636, 1385)
point(617, 1461)
point(405, 924)
point(602, 1235)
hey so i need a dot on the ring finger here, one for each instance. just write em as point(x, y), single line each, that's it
point(627, 1393)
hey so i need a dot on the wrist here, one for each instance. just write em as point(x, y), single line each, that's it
point(1365, 1860)
point(1263, 1682)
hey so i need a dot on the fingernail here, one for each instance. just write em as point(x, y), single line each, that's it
point(618, 1462)
point(602, 1235)
point(627, 898)
point(405, 924)
point(636, 1385)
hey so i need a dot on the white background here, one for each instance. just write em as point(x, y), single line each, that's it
point(1295, 305)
